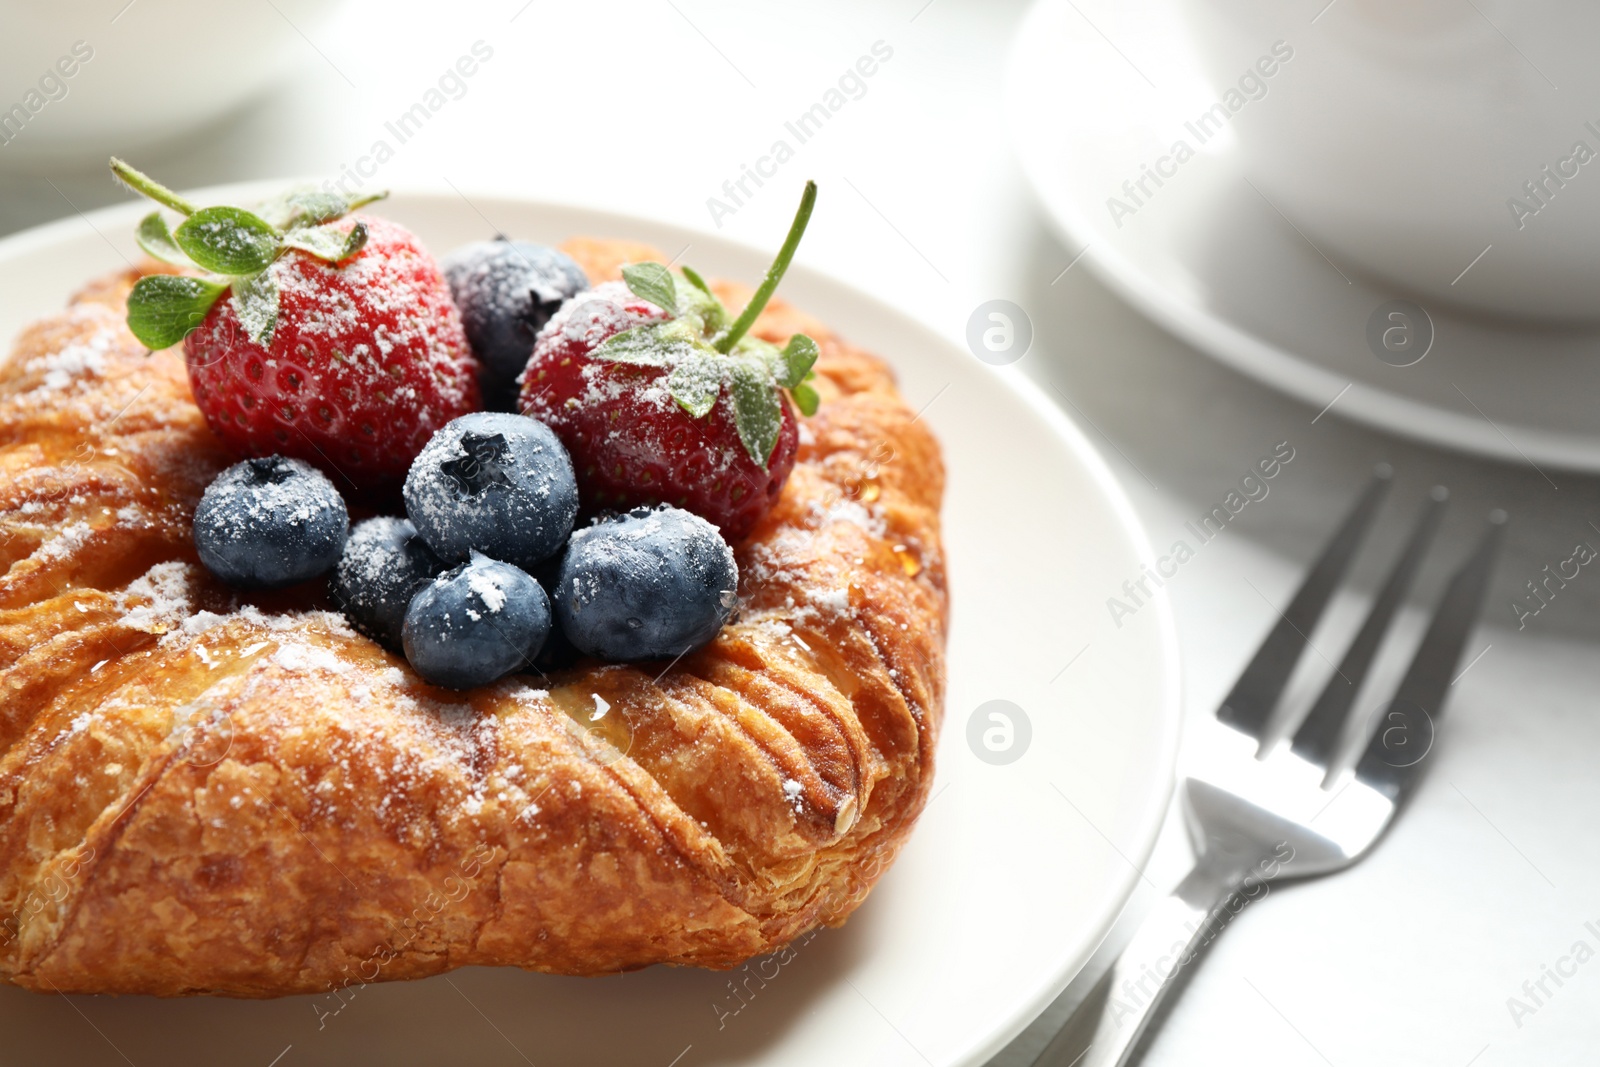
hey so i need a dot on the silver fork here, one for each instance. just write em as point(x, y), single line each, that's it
point(1257, 810)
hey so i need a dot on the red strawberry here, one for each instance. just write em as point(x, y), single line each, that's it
point(631, 442)
point(339, 343)
point(368, 359)
point(659, 399)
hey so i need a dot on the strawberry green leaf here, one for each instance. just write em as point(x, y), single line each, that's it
point(805, 398)
point(757, 408)
point(312, 207)
point(764, 351)
point(356, 203)
point(696, 382)
point(163, 308)
point(662, 344)
point(638, 345)
point(797, 357)
point(328, 242)
point(302, 207)
point(156, 240)
point(697, 281)
point(701, 303)
point(255, 300)
point(228, 240)
point(652, 282)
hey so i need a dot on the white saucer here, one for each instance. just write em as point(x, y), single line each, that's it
point(1097, 89)
point(1014, 873)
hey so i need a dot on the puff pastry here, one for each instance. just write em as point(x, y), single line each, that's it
point(205, 795)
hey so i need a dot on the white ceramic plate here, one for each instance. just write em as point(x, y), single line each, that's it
point(1015, 872)
point(1099, 89)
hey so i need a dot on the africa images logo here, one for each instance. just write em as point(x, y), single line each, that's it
point(52, 85)
point(850, 85)
point(1251, 86)
point(1253, 488)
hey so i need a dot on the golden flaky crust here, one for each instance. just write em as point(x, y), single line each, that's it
point(199, 795)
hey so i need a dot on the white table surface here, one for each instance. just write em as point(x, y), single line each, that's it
point(1411, 957)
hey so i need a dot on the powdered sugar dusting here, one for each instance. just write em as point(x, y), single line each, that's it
point(376, 719)
point(75, 364)
point(157, 600)
point(67, 540)
point(306, 657)
point(597, 313)
point(833, 601)
point(486, 584)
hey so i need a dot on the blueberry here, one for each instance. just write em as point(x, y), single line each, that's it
point(650, 584)
point(476, 623)
point(271, 522)
point(507, 291)
point(496, 483)
point(383, 566)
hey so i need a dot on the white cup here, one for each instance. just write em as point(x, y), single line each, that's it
point(1451, 147)
point(83, 79)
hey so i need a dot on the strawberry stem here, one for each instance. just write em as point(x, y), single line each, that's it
point(148, 186)
point(769, 284)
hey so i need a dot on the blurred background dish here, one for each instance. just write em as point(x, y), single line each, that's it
point(1163, 205)
point(1409, 138)
point(82, 74)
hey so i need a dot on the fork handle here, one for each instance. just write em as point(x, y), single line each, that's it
point(1170, 937)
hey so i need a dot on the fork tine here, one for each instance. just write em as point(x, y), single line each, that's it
point(1318, 735)
point(1248, 705)
point(1394, 756)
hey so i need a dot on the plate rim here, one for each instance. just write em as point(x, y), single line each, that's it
point(1167, 717)
point(1237, 347)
